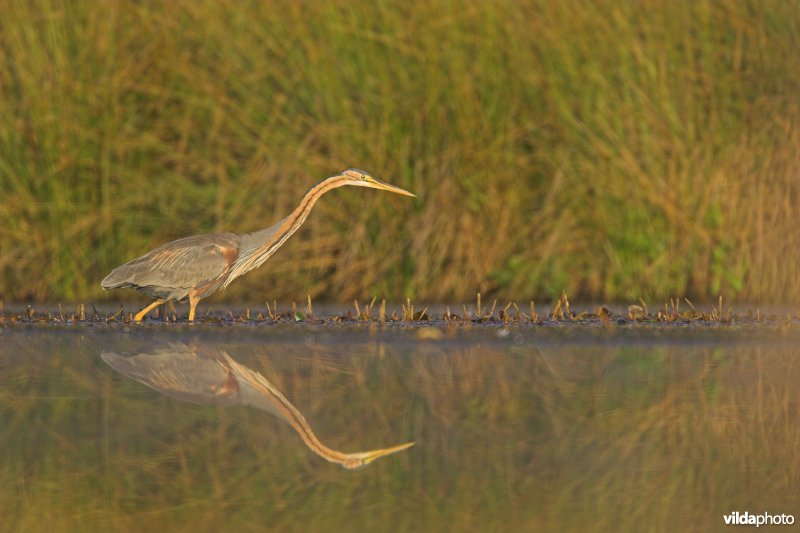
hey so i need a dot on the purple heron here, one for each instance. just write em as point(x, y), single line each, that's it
point(206, 375)
point(196, 267)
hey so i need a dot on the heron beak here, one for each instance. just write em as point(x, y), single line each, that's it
point(360, 460)
point(375, 184)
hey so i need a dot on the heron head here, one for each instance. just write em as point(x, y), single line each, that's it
point(354, 461)
point(362, 178)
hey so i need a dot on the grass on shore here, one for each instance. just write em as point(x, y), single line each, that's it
point(675, 312)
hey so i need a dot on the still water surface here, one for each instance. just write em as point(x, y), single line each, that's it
point(256, 429)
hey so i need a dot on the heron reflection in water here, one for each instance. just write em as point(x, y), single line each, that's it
point(204, 375)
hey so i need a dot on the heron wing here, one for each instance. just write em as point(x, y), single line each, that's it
point(191, 374)
point(184, 263)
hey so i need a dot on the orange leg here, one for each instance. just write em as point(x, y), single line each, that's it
point(193, 301)
point(140, 315)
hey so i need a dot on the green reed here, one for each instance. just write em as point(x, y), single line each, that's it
point(610, 149)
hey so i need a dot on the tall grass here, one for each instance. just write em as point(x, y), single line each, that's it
point(611, 149)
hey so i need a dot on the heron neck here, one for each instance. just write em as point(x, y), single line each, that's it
point(278, 404)
point(301, 426)
point(298, 216)
point(259, 246)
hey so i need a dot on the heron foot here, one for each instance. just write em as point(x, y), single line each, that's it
point(140, 315)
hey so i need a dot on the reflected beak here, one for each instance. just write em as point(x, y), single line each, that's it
point(359, 460)
point(375, 184)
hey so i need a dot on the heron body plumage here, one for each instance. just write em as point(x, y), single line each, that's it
point(169, 272)
point(196, 267)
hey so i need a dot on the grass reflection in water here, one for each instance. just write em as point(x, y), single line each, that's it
point(533, 431)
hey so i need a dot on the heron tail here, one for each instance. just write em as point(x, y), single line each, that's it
point(120, 277)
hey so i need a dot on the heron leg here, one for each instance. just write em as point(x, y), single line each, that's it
point(193, 301)
point(140, 315)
